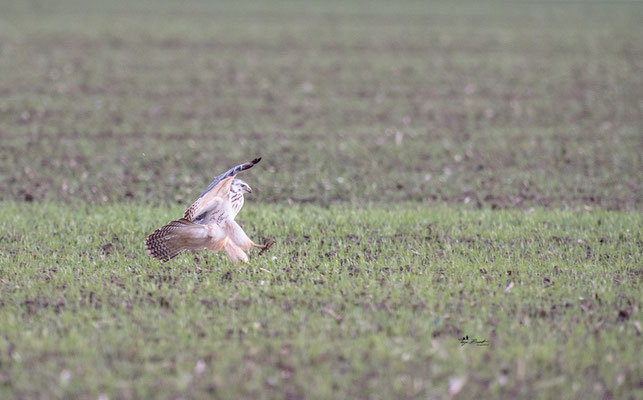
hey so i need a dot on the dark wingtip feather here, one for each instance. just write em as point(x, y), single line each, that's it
point(248, 165)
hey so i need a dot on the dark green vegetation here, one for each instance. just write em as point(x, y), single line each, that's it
point(507, 104)
point(535, 107)
point(349, 304)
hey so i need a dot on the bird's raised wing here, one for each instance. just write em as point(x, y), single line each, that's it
point(230, 172)
point(213, 205)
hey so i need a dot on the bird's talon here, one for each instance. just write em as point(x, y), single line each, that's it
point(267, 245)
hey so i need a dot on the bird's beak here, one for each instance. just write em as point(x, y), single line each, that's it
point(249, 189)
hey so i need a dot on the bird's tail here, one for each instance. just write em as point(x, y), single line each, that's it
point(174, 238)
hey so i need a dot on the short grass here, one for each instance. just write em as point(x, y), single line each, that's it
point(383, 126)
point(494, 103)
point(350, 303)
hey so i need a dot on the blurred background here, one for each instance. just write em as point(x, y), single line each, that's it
point(487, 104)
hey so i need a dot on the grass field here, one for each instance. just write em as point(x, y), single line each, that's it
point(431, 170)
point(363, 303)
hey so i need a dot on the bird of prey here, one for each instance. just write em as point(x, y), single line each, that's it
point(209, 222)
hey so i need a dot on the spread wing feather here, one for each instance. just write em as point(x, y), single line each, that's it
point(174, 238)
point(231, 172)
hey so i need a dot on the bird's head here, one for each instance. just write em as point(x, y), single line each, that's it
point(240, 186)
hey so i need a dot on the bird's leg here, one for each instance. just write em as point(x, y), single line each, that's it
point(264, 247)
